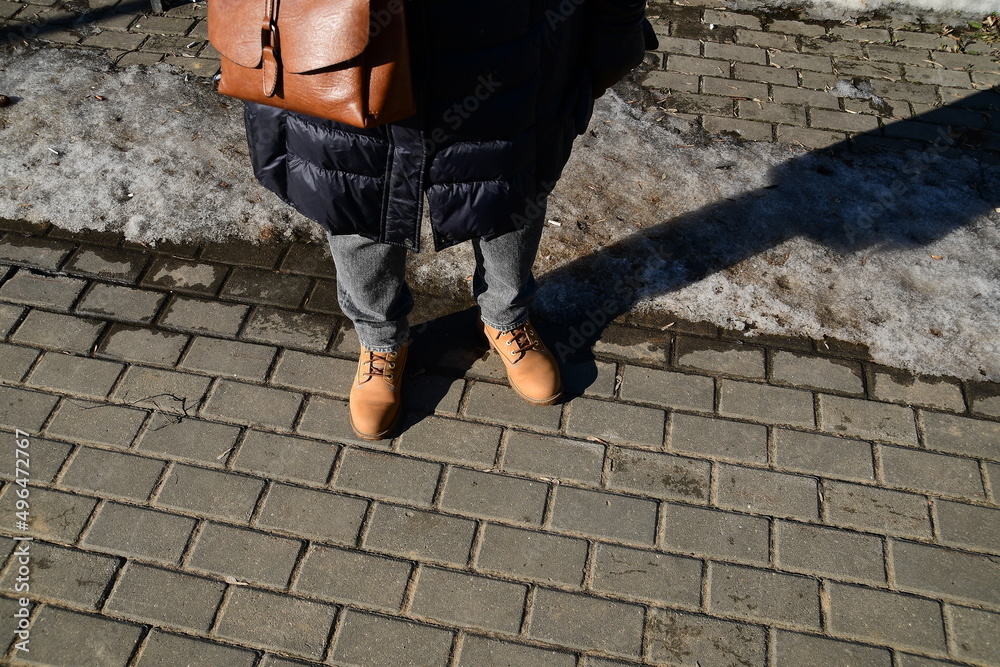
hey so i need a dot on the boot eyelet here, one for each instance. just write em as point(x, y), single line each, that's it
point(392, 365)
point(389, 377)
point(508, 343)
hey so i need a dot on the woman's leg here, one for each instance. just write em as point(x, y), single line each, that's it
point(372, 291)
point(504, 287)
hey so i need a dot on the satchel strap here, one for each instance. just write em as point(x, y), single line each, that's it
point(270, 52)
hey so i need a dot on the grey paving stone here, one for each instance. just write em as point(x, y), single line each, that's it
point(135, 531)
point(109, 39)
point(793, 649)
point(288, 328)
point(907, 660)
point(807, 137)
point(388, 476)
point(9, 315)
point(46, 458)
point(23, 409)
point(180, 275)
point(210, 493)
point(244, 253)
point(166, 650)
point(53, 515)
point(671, 80)
point(985, 398)
point(427, 536)
point(528, 554)
point(70, 374)
point(228, 358)
point(969, 526)
point(315, 373)
point(428, 394)
point(494, 496)
point(67, 575)
point(768, 492)
point(764, 595)
point(602, 514)
point(975, 633)
point(112, 473)
point(116, 263)
point(62, 637)
point(283, 457)
point(937, 77)
point(204, 315)
point(343, 575)
point(734, 87)
point(311, 259)
point(668, 389)
point(633, 344)
point(121, 303)
point(829, 552)
point(258, 286)
point(38, 289)
point(144, 346)
point(313, 514)
point(746, 54)
point(791, 60)
point(817, 372)
point(769, 40)
point(186, 438)
point(629, 424)
point(584, 622)
point(867, 419)
point(451, 440)
point(773, 113)
point(961, 435)
point(658, 474)
point(927, 472)
point(272, 661)
point(247, 555)
point(766, 404)
point(252, 404)
point(946, 573)
point(329, 419)
point(41, 252)
point(554, 457)
point(468, 600)
point(881, 511)
point(718, 438)
point(899, 387)
point(744, 129)
point(379, 641)
point(884, 617)
point(56, 331)
point(692, 640)
point(499, 403)
point(485, 652)
point(646, 575)
point(722, 535)
point(720, 17)
point(731, 358)
point(277, 622)
point(823, 455)
point(164, 597)
point(692, 65)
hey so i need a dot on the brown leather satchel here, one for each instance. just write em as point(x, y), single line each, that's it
point(344, 60)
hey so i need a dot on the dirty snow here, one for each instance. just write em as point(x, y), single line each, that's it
point(948, 12)
point(758, 237)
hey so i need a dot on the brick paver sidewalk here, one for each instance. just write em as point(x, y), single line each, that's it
point(196, 496)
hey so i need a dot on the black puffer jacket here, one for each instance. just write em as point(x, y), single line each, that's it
point(503, 88)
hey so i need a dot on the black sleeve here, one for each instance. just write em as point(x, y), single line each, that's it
point(618, 35)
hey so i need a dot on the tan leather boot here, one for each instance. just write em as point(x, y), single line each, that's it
point(530, 366)
point(376, 398)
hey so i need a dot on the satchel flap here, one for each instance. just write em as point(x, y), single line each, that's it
point(312, 34)
point(320, 33)
point(234, 29)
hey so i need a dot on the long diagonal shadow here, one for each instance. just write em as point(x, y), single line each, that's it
point(678, 252)
point(15, 33)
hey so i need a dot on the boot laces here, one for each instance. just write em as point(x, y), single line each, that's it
point(379, 364)
point(522, 340)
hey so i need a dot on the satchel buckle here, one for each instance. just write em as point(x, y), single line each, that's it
point(270, 56)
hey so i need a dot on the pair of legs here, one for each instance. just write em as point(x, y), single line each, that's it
point(372, 290)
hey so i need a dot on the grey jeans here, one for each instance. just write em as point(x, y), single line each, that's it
point(372, 290)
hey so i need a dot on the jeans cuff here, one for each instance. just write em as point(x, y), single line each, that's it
point(503, 328)
point(384, 349)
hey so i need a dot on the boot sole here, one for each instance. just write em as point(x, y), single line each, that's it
point(383, 435)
